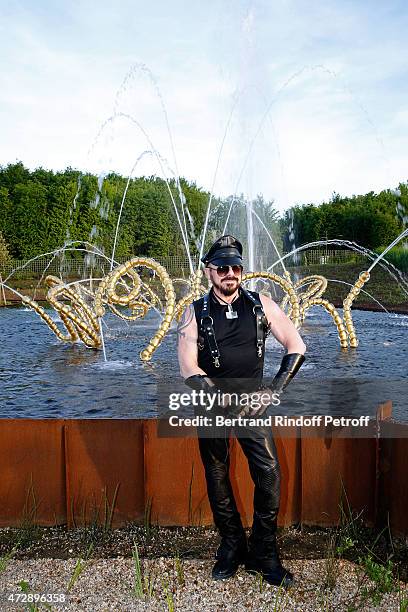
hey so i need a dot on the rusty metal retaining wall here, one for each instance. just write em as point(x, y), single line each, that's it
point(114, 471)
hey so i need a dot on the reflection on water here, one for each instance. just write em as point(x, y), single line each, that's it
point(40, 377)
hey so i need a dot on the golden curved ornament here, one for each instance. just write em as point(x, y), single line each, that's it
point(107, 290)
point(76, 314)
point(286, 285)
point(70, 337)
point(139, 311)
point(331, 309)
point(318, 285)
point(80, 308)
point(140, 307)
point(363, 278)
point(196, 290)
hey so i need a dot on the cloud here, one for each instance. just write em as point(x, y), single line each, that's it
point(332, 74)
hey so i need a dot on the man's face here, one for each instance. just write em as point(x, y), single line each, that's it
point(226, 282)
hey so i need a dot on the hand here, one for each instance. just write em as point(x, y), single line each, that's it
point(259, 401)
point(200, 382)
point(226, 403)
point(291, 364)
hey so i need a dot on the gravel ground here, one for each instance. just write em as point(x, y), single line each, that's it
point(106, 584)
point(178, 561)
point(295, 543)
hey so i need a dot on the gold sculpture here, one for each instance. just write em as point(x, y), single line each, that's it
point(80, 309)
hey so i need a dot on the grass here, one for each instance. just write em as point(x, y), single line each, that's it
point(280, 598)
point(148, 516)
point(376, 573)
point(169, 596)
point(96, 531)
point(381, 577)
point(376, 560)
point(95, 511)
point(28, 531)
point(179, 571)
point(79, 567)
point(138, 590)
point(5, 559)
point(109, 508)
point(144, 579)
point(330, 579)
point(32, 607)
point(398, 256)
point(402, 601)
point(373, 580)
point(30, 506)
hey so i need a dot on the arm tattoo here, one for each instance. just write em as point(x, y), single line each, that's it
point(185, 320)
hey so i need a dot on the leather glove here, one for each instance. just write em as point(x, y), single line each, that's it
point(255, 403)
point(259, 401)
point(199, 382)
point(291, 364)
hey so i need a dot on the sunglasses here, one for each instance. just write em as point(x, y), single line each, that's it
point(223, 270)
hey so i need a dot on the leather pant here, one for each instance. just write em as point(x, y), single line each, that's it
point(259, 448)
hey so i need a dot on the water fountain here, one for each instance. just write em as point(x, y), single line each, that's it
point(82, 309)
point(81, 319)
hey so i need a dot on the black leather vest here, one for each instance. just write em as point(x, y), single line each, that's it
point(236, 339)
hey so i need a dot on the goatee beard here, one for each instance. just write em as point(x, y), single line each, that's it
point(227, 291)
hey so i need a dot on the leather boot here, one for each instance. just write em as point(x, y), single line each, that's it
point(263, 558)
point(230, 555)
point(233, 548)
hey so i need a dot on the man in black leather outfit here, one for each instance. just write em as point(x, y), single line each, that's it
point(221, 342)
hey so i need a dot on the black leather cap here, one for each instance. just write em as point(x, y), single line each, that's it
point(227, 250)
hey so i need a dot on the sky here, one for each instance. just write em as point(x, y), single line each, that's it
point(291, 99)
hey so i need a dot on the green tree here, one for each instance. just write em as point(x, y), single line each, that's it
point(30, 219)
point(4, 252)
point(370, 220)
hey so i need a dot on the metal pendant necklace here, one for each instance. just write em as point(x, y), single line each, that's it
point(230, 314)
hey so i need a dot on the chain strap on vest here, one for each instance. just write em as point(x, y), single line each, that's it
point(207, 326)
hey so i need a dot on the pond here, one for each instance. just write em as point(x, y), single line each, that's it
point(42, 378)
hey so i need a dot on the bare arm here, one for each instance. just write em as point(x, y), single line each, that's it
point(282, 327)
point(187, 334)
